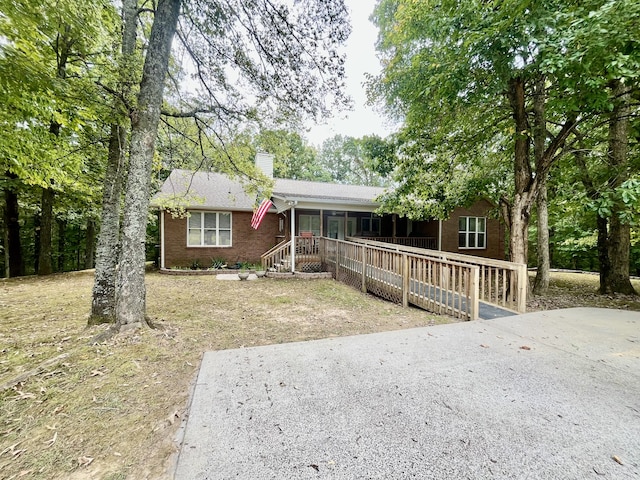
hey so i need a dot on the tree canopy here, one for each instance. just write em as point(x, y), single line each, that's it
point(493, 94)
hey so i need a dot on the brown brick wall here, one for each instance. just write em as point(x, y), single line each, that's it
point(247, 244)
point(495, 232)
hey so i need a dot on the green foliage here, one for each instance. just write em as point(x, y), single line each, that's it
point(354, 160)
point(293, 157)
point(218, 263)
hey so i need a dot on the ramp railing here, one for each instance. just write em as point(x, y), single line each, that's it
point(440, 286)
point(501, 283)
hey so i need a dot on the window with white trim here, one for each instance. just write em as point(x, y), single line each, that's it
point(209, 229)
point(309, 223)
point(472, 232)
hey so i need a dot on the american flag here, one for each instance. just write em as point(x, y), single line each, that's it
point(260, 212)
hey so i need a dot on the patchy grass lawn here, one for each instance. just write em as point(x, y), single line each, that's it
point(111, 411)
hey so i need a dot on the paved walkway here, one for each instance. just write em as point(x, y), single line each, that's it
point(551, 395)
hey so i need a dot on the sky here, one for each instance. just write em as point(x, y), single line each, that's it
point(361, 59)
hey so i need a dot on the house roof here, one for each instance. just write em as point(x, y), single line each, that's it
point(215, 190)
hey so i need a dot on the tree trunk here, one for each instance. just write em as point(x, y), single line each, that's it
point(103, 304)
point(90, 244)
point(45, 266)
point(541, 283)
point(131, 293)
point(13, 249)
point(618, 280)
point(519, 234)
point(521, 207)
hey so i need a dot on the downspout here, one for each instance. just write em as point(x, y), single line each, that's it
point(162, 239)
point(439, 235)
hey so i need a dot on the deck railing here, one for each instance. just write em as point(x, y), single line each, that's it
point(440, 286)
point(276, 256)
point(306, 255)
point(501, 283)
point(418, 242)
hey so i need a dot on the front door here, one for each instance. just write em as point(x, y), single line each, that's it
point(335, 227)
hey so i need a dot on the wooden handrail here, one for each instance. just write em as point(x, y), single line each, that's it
point(440, 286)
point(275, 255)
point(501, 283)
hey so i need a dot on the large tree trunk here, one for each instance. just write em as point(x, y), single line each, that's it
point(131, 293)
point(103, 304)
point(541, 283)
point(618, 280)
point(13, 249)
point(543, 273)
point(45, 266)
point(521, 207)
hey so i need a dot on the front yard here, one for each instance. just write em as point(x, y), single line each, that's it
point(111, 410)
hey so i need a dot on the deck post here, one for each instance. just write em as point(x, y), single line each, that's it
point(474, 293)
point(337, 258)
point(523, 280)
point(364, 268)
point(406, 277)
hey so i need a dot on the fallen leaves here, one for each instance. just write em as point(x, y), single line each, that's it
point(616, 459)
point(525, 347)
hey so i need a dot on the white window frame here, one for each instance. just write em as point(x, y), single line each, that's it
point(305, 217)
point(477, 235)
point(202, 228)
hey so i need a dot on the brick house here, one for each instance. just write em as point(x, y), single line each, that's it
point(219, 211)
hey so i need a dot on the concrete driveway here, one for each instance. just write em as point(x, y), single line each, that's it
point(550, 395)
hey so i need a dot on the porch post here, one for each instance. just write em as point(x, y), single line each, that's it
point(394, 221)
point(346, 223)
point(293, 237)
point(439, 235)
point(321, 223)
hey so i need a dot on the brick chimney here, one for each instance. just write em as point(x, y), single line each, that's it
point(264, 162)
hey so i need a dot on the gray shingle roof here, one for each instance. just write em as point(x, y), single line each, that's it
point(216, 190)
point(203, 189)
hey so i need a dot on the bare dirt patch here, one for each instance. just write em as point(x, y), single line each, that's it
point(111, 410)
point(570, 289)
